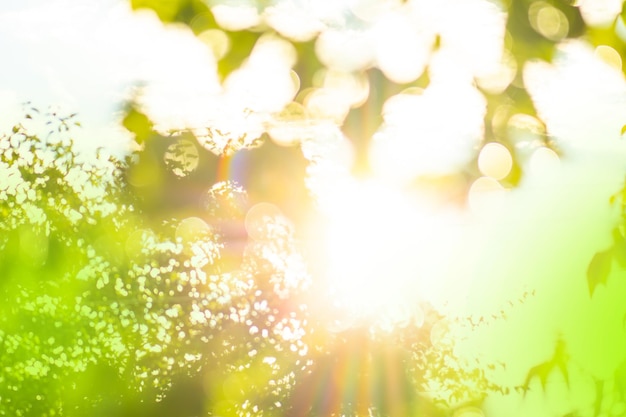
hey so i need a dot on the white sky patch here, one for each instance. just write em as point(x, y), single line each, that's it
point(292, 21)
point(599, 12)
point(237, 17)
point(83, 58)
point(431, 133)
point(474, 32)
point(271, 61)
point(345, 50)
point(581, 98)
point(393, 35)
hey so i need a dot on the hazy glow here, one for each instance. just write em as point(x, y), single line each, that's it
point(387, 245)
point(258, 219)
point(330, 157)
point(361, 240)
point(543, 161)
point(192, 228)
point(382, 246)
point(485, 195)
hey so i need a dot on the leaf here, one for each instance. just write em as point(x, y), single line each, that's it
point(599, 397)
point(599, 269)
point(242, 44)
point(139, 124)
point(543, 370)
point(619, 247)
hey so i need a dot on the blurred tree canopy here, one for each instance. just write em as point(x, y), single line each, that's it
point(174, 282)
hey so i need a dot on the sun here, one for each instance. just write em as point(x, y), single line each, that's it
point(382, 245)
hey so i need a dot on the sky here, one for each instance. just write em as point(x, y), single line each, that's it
point(86, 57)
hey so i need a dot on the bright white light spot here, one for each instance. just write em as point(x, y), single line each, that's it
point(271, 61)
point(525, 131)
point(579, 97)
point(324, 103)
point(182, 157)
point(345, 50)
point(192, 228)
point(418, 136)
point(473, 34)
point(502, 75)
point(371, 10)
point(217, 40)
point(338, 92)
point(485, 195)
point(599, 12)
point(291, 125)
point(292, 22)
point(543, 161)
point(363, 235)
point(393, 36)
point(609, 56)
point(330, 155)
point(270, 360)
point(238, 17)
point(495, 161)
point(354, 87)
point(259, 218)
point(548, 21)
point(330, 11)
point(383, 245)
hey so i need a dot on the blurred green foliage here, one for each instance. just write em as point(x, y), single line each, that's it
point(131, 287)
point(108, 309)
point(93, 291)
